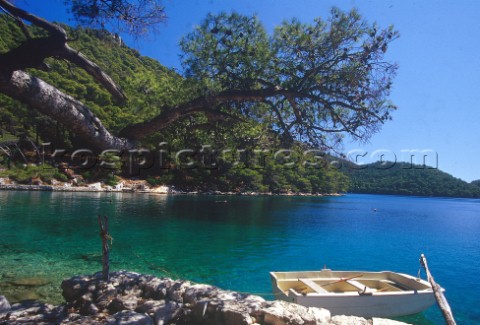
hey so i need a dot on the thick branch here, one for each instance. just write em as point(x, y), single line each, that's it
point(32, 53)
point(209, 105)
point(202, 104)
point(54, 29)
point(52, 102)
point(94, 70)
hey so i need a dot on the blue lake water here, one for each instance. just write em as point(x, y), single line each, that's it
point(234, 244)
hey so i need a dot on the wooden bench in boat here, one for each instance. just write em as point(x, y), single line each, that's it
point(361, 287)
point(312, 285)
point(356, 284)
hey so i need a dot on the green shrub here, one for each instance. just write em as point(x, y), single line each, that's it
point(111, 180)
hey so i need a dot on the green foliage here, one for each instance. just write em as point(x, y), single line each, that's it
point(135, 17)
point(151, 88)
point(230, 50)
point(405, 179)
point(476, 182)
point(111, 180)
point(25, 174)
point(60, 177)
point(322, 79)
point(111, 162)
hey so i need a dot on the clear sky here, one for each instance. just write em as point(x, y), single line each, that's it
point(437, 89)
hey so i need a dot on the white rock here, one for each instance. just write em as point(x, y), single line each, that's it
point(283, 313)
point(150, 306)
point(164, 314)
point(349, 320)
point(382, 321)
point(4, 305)
point(161, 189)
point(129, 318)
point(95, 186)
point(236, 314)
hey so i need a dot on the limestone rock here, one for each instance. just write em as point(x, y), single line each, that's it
point(123, 303)
point(382, 321)
point(155, 289)
point(176, 291)
point(31, 311)
point(75, 319)
point(74, 288)
point(129, 318)
point(132, 298)
point(283, 313)
point(89, 309)
point(166, 313)
point(4, 305)
point(198, 292)
point(349, 320)
point(150, 306)
point(236, 314)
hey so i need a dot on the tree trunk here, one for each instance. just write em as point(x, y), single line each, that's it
point(50, 101)
point(105, 251)
point(439, 296)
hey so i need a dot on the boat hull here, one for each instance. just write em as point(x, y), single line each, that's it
point(387, 300)
point(371, 306)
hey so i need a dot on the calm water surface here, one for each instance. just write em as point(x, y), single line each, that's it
point(235, 244)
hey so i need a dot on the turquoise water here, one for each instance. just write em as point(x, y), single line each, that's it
point(235, 244)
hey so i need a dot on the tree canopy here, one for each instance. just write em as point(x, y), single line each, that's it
point(315, 81)
point(307, 82)
point(147, 83)
point(134, 17)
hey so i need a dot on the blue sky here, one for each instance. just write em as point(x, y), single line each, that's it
point(437, 89)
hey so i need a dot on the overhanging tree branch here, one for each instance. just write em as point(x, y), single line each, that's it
point(50, 101)
point(320, 80)
point(33, 52)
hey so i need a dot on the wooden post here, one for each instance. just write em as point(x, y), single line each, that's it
point(439, 296)
point(103, 223)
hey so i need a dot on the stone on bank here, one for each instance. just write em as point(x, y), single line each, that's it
point(133, 298)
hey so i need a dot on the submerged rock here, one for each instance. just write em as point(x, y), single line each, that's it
point(30, 282)
point(24, 295)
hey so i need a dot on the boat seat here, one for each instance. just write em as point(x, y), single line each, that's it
point(361, 287)
point(312, 285)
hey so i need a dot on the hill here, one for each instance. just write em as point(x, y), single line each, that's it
point(407, 179)
point(240, 156)
point(234, 156)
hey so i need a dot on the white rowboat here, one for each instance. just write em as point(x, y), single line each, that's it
point(364, 294)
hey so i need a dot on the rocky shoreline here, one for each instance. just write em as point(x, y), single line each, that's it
point(133, 298)
point(142, 188)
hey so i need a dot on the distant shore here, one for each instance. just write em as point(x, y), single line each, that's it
point(165, 190)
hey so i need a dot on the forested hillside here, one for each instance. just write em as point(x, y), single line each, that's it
point(227, 155)
point(232, 161)
point(406, 179)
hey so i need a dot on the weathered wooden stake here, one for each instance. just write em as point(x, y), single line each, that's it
point(103, 223)
point(439, 296)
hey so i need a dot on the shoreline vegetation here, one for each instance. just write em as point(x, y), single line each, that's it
point(140, 187)
point(149, 84)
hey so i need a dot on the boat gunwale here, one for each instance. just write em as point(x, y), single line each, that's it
point(401, 292)
point(357, 294)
